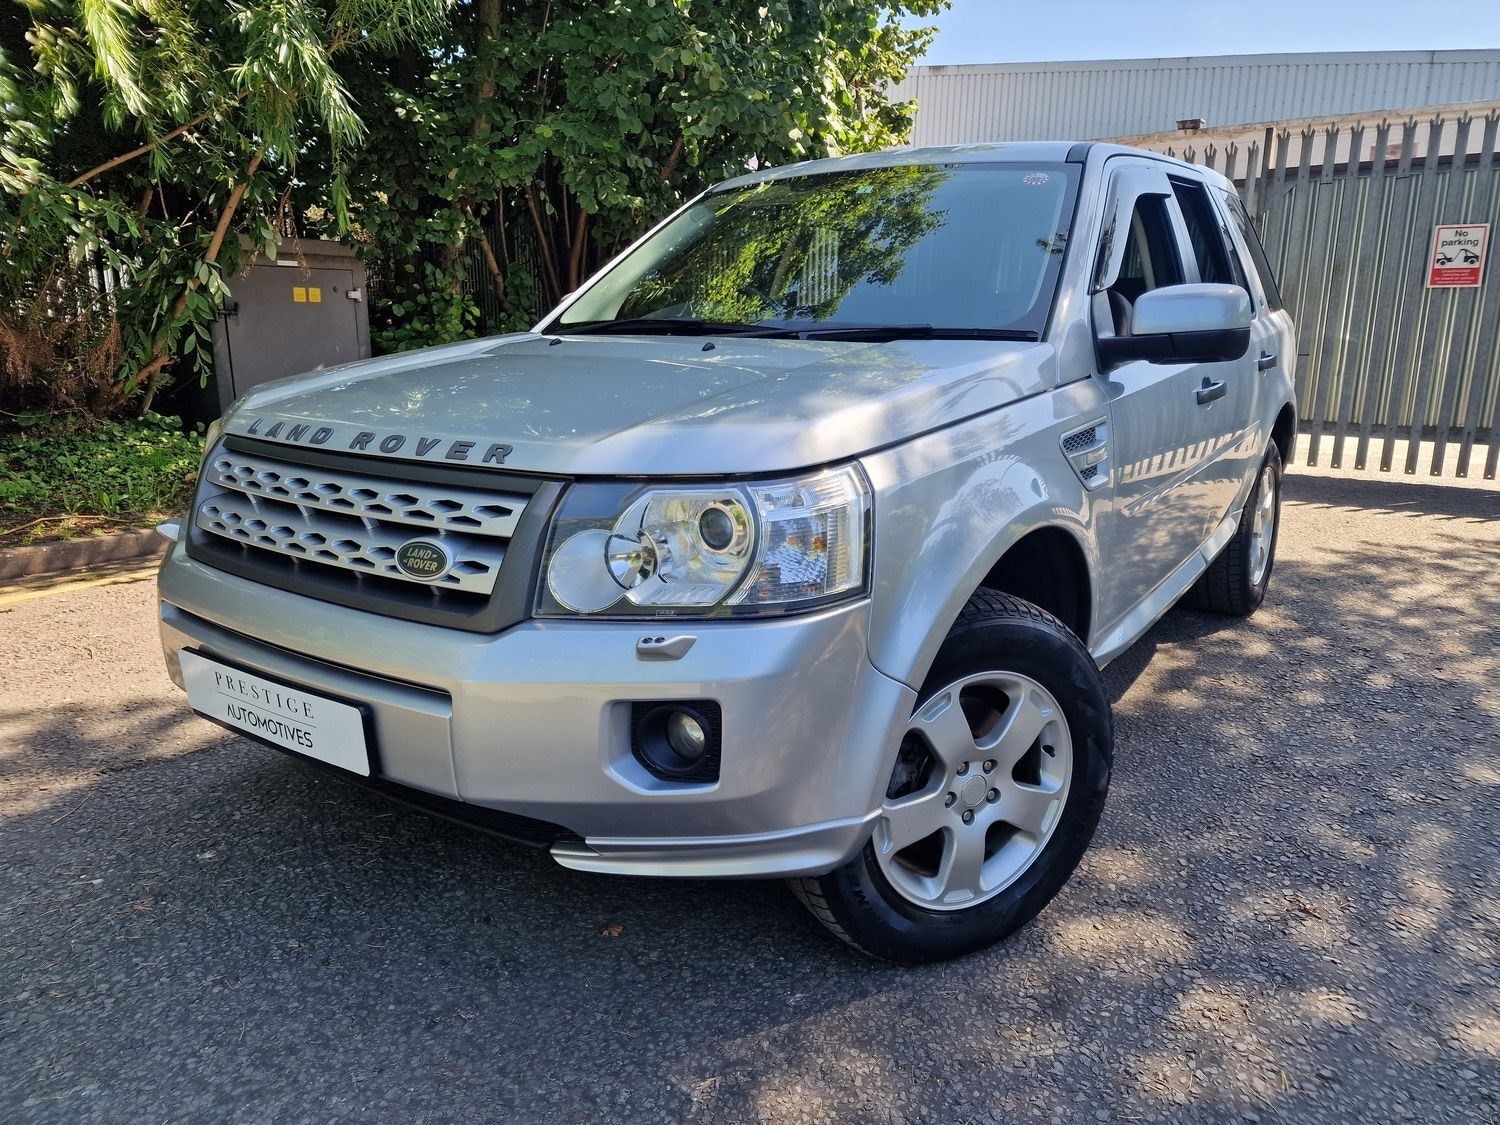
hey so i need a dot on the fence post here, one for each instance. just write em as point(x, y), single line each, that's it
point(1443, 397)
point(1412, 320)
point(1484, 370)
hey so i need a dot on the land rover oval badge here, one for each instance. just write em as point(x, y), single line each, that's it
point(423, 559)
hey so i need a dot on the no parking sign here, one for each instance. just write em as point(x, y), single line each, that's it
point(1458, 257)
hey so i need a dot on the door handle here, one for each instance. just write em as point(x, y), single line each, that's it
point(1210, 391)
point(1266, 361)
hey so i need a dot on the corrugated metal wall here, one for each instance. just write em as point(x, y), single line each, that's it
point(1392, 373)
point(1126, 97)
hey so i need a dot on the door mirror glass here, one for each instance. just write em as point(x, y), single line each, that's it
point(1183, 324)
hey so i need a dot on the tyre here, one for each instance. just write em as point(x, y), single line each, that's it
point(1235, 582)
point(995, 794)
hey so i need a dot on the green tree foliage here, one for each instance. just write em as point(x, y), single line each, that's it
point(139, 139)
point(778, 254)
point(540, 137)
point(490, 154)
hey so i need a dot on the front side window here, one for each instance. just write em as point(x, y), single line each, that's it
point(1150, 262)
point(963, 247)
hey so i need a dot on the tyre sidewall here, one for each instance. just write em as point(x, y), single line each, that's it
point(1255, 593)
point(888, 925)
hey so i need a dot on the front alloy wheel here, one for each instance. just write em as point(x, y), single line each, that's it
point(996, 789)
point(1002, 759)
point(1263, 525)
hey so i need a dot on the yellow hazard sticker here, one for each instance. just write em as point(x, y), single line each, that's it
point(299, 294)
point(314, 295)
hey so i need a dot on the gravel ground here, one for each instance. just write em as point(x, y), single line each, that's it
point(1291, 913)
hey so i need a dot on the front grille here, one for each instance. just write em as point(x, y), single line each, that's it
point(365, 497)
point(357, 522)
point(331, 526)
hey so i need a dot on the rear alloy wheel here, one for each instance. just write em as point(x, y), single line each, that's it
point(996, 790)
point(1235, 583)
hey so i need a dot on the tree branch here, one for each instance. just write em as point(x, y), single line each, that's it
point(496, 275)
point(147, 375)
point(670, 164)
point(579, 251)
point(544, 246)
point(126, 157)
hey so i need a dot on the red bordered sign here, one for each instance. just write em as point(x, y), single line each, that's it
point(1458, 254)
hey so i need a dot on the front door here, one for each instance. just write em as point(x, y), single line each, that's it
point(1164, 417)
point(1234, 418)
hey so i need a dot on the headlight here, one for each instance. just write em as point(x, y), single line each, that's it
point(698, 551)
point(211, 438)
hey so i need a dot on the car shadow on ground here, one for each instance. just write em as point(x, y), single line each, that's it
point(1290, 909)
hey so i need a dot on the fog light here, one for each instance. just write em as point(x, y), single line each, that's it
point(677, 741)
point(686, 735)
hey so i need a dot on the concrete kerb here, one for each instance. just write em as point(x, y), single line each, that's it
point(79, 554)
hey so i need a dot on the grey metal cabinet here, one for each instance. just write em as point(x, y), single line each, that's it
point(295, 314)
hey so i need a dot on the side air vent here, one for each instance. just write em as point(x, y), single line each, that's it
point(1087, 450)
point(1081, 441)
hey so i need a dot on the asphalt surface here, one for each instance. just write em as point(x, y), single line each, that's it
point(1291, 912)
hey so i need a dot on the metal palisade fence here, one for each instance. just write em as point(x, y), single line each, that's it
point(1399, 338)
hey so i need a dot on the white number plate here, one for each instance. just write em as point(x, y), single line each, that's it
point(286, 716)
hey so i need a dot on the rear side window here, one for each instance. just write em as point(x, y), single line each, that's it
point(1209, 239)
point(1241, 219)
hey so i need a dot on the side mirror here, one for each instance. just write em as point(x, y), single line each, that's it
point(1183, 324)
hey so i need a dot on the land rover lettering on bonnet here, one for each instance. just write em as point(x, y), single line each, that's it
point(371, 441)
point(791, 544)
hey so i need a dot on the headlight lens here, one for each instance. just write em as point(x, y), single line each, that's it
point(632, 551)
point(211, 438)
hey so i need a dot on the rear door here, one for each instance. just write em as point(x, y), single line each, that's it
point(1273, 340)
point(1162, 439)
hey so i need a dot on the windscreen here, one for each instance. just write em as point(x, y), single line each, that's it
point(962, 246)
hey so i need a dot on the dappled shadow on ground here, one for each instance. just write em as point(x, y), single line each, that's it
point(1291, 911)
point(127, 570)
point(1395, 495)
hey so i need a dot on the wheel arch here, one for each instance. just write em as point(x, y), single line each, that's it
point(1284, 432)
point(905, 643)
point(949, 508)
point(1047, 567)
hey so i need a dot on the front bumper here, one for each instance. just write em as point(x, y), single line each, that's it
point(534, 721)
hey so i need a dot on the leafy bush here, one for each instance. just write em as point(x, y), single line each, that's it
point(139, 143)
point(129, 469)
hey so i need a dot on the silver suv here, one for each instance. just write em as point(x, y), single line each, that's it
point(790, 545)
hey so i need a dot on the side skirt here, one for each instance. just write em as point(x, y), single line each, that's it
point(1150, 609)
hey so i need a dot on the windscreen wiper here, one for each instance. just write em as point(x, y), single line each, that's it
point(686, 326)
point(663, 326)
point(878, 332)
